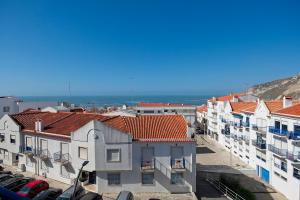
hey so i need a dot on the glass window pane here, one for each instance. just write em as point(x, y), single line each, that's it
point(147, 178)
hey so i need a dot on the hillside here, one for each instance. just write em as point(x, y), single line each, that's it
point(278, 88)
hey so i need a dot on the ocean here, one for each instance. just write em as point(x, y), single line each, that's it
point(104, 101)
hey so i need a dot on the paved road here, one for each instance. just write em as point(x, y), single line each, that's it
point(212, 157)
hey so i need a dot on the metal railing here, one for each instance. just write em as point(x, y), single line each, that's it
point(294, 157)
point(278, 151)
point(178, 163)
point(62, 158)
point(43, 154)
point(148, 165)
point(229, 193)
point(259, 145)
point(27, 150)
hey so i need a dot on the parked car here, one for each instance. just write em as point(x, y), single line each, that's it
point(32, 188)
point(91, 196)
point(5, 172)
point(50, 194)
point(66, 195)
point(17, 183)
point(4, 177)
point(125, 195)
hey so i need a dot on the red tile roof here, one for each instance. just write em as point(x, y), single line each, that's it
point(274, 105)
point(202, 108)
point(238, 107)
point(152, 127)
point(161, 127)
point(62, 123)
point(292, 111)
point(229, 97)
point(144, 104)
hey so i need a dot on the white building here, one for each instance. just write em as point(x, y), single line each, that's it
point(188, 111)
point(140, 154)
point(201, 113)
point(8, 105)
point(266, 135)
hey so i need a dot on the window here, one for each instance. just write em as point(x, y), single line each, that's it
point(147, 178)
point(113, 179)
point(28, 161)
point(177, 179)
point(5, 154)
point(6, 109)
point(149, 111)
point(113, 155)
point(296, 173)
point(28, 143)
point(13, 139)
point(83, 153)
point(2, 137)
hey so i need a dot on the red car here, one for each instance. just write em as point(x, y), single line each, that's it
point(32, 188)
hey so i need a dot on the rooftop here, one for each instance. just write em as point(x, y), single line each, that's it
point(202, 108)
point(143, 128)
point(292, 111)
point(145, 104)
point(238, 107)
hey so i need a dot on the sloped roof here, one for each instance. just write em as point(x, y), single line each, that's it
point(292, 111)
point(274, 105)
point(202, 108)
point(228, 97)
point(238, 107)
point(150, 128)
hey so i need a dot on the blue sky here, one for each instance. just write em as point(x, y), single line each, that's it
point(145, 47)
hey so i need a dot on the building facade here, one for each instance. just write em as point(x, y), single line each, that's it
point(141, 154)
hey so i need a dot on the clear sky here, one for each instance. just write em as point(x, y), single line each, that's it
point(145, 47)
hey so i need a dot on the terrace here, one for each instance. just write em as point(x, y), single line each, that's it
point(277, 151)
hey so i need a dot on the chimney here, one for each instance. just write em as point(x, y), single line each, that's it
point(39, 127)
point(287, 101)
point(235, 99)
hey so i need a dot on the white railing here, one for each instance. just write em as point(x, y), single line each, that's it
point(230, 194)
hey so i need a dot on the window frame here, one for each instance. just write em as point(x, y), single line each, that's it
point(113, 161)
point(147, 173)
point(113, 174)
point(87, 154)
point(6, 109)
point(177, 183)
point(14, 139)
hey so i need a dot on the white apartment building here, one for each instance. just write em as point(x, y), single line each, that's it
point(201, 113)
point(8, 105)
point(139, 154)
point(188, 111)
point(215, 111)
point(266, 135)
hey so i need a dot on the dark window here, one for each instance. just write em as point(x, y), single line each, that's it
point(277, 124)
point(6, 109)
point(297, 129)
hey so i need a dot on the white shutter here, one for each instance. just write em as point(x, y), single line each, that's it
point(83, 153)
point(29, 142)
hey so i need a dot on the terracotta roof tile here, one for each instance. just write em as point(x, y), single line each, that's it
point(274, 105)
point(161, 127)
point(152, 127)
point(238, 107)
point(202, 108)
point(293, 111)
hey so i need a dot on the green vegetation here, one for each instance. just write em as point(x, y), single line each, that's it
point(236, 187)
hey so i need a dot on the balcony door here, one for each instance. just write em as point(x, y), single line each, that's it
point(64, 148)
point(44, 144)
point(176, 156)
point(147, 155)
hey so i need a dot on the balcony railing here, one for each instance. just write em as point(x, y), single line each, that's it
point(278, 131)
point(27, 150)
point(278, 151)
point(282, 167)
point(148, 165)
point(294, 157)
point(245, 124)
point(178, 164)
point(43, 154)
point(295, 135)
point(62, 158)
point(259, 145)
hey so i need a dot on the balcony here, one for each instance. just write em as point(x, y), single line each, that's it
point(259, 145)
point(294, 157)
point(43, 154)
point(245, 124)
point(178, 164)
point(148, 166)
point(278, 131)
point(277, 151)
point(28, 151)
point(260, 129)
point(294, 135)
point(282, 167)
point(62, 158)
